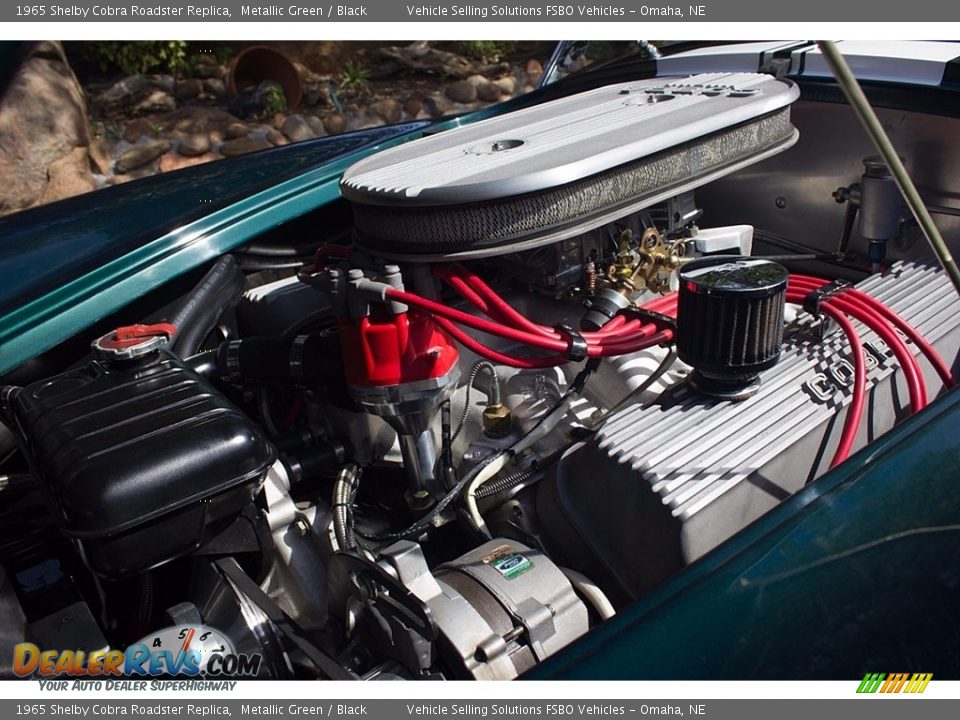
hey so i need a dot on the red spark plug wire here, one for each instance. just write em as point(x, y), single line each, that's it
point(859, 297)
point(598, 345)
point(475, 291)
point(911, 370)
point(622, 335)
point(851, 423)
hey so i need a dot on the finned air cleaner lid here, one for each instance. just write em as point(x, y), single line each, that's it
point(549, 171)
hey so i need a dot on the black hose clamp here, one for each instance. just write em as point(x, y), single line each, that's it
point(576, 345)
point(813, 300)
point(230, 370)
point(296, 357)
point(658, 319)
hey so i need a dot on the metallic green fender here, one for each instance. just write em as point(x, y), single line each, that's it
point(64, 266)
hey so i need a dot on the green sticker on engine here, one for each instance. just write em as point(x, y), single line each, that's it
point(510, 564)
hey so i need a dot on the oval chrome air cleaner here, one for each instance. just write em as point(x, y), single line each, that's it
point(544, 173)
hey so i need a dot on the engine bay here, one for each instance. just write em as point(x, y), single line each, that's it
point(530, 381)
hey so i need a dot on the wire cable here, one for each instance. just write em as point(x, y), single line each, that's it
point(493, 396)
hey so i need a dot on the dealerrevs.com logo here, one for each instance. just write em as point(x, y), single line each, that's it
point(912, 683)
point(180, 650)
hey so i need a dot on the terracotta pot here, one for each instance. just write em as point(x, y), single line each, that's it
point(257, 63)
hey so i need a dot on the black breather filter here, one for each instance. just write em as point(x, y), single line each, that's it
point(730, 322)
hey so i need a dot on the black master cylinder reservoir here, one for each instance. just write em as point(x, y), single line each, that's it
point(139, 457)
point(730, 322)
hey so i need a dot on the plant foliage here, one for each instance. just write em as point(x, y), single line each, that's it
point(144, 56)
point(354, 76)
point(486, 50)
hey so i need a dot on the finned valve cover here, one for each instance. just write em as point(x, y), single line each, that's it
point(551, 171)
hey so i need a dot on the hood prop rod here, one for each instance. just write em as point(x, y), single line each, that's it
point(868, 118)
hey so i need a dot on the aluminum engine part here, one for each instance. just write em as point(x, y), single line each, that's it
point(666, 481)
point(14, 628)
point(302, 540)
point(500, 608)
point(546, 173)
point(277, 307)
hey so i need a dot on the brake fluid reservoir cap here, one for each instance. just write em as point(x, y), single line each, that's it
point(133, 341)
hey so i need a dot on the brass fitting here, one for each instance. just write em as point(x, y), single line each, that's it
point(496, 420)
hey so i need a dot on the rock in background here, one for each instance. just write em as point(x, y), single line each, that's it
point(44, 133)
point(54, 130)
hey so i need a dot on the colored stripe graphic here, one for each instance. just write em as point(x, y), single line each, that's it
point(894, 683)
point(871, 682)
point(919, 682)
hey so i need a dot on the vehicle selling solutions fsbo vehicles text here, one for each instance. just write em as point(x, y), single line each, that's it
point(550, 11)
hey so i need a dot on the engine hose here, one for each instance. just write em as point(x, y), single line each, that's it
point(308, 359)
point(426, 521)
point(470, 478)
point(253, 263)
point(268, 250)
point(200, 311)
point(145, 598)
point(493, 397)
point(474, 345)
point(266, 416)
point(486, 300)
point(619, 336)
point(912, 334)
point(855, 414)
point(544, 425)
point(344, 492)
point(204, 364)
point(591, 591)
point(8, 441)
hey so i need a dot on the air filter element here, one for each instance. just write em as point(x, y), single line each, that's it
point(730, 322)
point(558, 169)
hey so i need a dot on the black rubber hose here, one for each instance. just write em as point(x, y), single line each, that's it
point(199, 313)
point(258, 263)
point(204, 364)
point(310, 360)
point(266, 250)
point(8, 441)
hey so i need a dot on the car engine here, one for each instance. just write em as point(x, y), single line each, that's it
point(527, 385)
